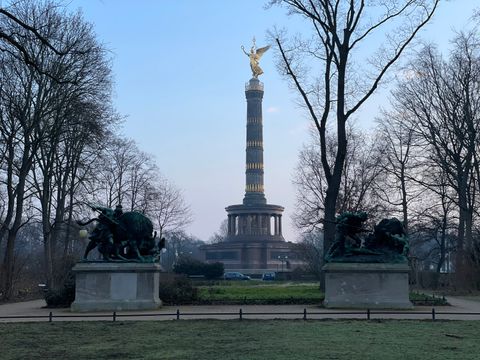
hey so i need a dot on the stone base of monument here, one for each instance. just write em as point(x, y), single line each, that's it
point(367, 286)
point(109, 286)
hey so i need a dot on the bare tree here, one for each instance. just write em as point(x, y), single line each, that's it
point(57, 141)
point(339, 28)
point(13, 42)
point(115, 165)
point(221, 234)
point(142, 175)
point(24, 103)
point(443, 100)
point(433, 230)
point(180, 245)
point(40, 116)
point(310, 251)
point(358, 189)
point(399, 165)
point(168, 208)
point(130, 177)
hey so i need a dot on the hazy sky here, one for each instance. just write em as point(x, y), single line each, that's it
point(180, 76)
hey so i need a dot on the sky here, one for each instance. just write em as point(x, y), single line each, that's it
point(179, 81)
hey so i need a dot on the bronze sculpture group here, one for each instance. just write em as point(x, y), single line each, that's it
point(123, 236)
point(388, 243)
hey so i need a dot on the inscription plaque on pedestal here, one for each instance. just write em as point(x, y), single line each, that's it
point(367, 286)
point(107, 286)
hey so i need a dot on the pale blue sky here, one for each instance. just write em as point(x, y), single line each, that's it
point(179, 79)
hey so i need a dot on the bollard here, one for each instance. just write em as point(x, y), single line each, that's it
point(114, 316)
point(178, 314)
point(433, 314)
point(368, 314)
point(240, 313)
point(50, 317)
point(304, 314)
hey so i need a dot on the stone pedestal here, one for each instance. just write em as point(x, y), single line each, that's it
point(367, 286)
point(103, 286)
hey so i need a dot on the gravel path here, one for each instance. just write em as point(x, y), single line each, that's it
point(224, 312)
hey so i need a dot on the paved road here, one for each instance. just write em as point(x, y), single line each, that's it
point(36, 308)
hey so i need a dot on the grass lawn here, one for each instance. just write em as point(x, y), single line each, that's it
point(251, 292)
point(249, 339)
point(262, 292)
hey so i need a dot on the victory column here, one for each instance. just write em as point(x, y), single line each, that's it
point(254, 242)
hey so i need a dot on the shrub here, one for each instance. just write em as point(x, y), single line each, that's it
point(63, 296)
point(427, 300)
point(191, 267)
point(188, 266)
point(213, 271)
point(178, 290)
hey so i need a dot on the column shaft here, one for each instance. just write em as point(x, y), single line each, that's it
point(254, 192)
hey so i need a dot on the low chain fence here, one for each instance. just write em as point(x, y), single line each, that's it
point(241, 315)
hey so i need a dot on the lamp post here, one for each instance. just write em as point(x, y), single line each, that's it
point(283, 259)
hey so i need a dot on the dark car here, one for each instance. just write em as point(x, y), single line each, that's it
point(235, 276)
point(268, 276)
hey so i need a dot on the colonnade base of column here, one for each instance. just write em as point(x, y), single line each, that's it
point(246, 222)
point(255, 257)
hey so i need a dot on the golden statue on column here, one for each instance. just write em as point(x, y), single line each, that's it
point(254, 56)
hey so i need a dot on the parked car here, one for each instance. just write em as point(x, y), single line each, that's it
point(268, 276)
point(235, 276)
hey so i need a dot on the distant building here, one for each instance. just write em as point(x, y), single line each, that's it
point(254, 243)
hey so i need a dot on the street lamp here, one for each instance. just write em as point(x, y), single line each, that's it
point(283, 259)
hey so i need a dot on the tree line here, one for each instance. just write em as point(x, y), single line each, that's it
point(420, 163)
point(59, 144)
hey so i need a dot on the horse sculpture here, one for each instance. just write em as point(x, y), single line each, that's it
point(123, 236)
point(388, 243)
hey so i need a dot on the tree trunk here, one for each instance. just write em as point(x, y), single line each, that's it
point(441, 261)
point(47, 245)
point(8, 266)
point(460, 256)
point(404, 198)
point(8, 263)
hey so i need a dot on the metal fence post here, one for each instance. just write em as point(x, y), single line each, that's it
point(368, 314)
point(240, 314)
point(114, 316)
point(178, 314)
point(433, 314)
point(304, 314)
point(50, 317)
